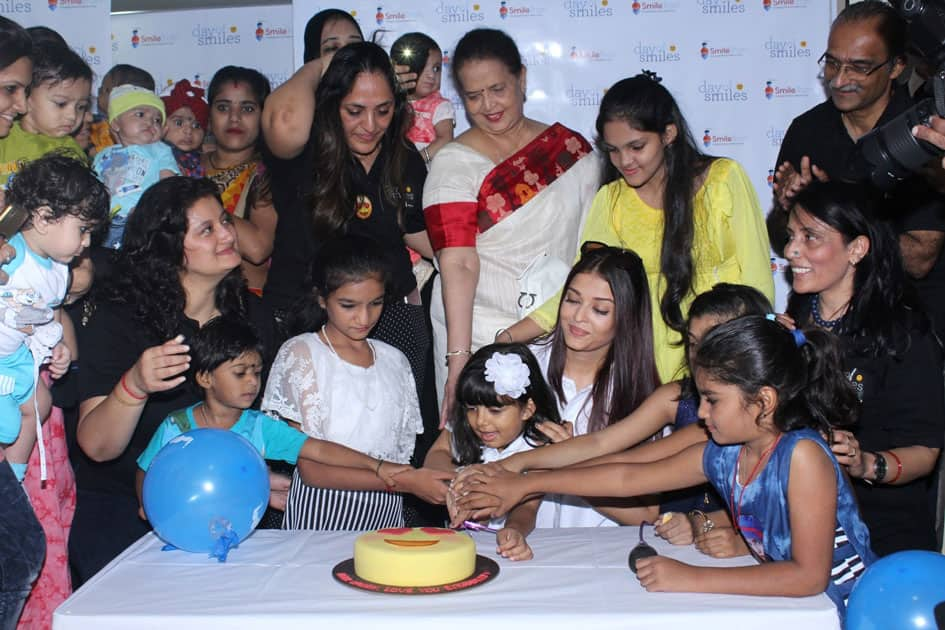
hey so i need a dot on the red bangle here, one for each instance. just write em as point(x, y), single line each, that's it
point(898, 468)
point(128, 391)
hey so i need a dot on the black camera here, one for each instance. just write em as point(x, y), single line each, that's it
point(891, 151)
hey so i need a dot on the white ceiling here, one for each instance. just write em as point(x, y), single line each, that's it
point(174, 5)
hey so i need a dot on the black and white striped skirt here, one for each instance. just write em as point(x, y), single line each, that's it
point(309, 507)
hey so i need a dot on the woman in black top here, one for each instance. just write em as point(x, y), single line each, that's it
point(847, 277)
point(366, 179)
point(178, 268)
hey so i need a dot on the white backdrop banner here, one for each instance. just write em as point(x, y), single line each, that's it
point(175, 45)
point(740, 69)
point(83, 23)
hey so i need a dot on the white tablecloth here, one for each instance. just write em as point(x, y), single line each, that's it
point(578, 579)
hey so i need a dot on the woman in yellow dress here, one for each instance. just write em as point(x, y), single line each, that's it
point(694, 219)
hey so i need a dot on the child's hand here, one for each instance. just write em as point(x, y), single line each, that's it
point(674, 528)
point(491, 469)
point(60, 360)
point(511, 544)
point(278, 490)
point(489, 496)
point(721, 542)
point(389, 470)
point(557, 432)
point(425, 483)
point(662, 574)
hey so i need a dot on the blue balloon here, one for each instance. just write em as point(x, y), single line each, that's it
point(206, 491)
point(899, 591)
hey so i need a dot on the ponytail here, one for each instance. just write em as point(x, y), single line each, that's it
point(804, 367)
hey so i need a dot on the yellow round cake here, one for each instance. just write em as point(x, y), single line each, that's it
point(414, 556)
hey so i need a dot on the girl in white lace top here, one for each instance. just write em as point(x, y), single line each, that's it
point(340, 386)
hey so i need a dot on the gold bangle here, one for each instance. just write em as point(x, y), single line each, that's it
point(456, 353)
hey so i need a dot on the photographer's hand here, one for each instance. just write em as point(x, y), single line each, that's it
point(933, 134)
point(789, 182)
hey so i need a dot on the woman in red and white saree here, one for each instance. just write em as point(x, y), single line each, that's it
point(504, 206)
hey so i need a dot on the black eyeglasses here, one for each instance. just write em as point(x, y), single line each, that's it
point(862, 69)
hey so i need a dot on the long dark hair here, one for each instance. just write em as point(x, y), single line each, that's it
point(472, 388)
point(146, 271)
point(333, 196)
point(644, 104)
point(883, 306)
point(752, 352)
point(17, 43)
point(315, 26)
point(628, 374)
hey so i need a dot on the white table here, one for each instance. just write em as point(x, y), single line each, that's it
point(579, 579)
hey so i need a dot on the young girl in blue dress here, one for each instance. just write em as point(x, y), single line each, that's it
point(767, 397)
point(501, 398)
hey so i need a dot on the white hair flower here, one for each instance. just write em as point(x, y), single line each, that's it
point(509, 374)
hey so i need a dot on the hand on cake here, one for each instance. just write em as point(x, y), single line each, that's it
point(490, 470)
point(425, 483)
point(511, 544)
point(489, 496)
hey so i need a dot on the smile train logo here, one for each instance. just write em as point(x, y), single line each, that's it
point(379, 16)
point(707, 138)
point(259, 31)
point(503, 10)
point(135, 39)
point(53, 5)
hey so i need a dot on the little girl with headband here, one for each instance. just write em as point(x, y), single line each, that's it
point(501, 398)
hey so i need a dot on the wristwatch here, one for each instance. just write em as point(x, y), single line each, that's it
point(879, 467)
